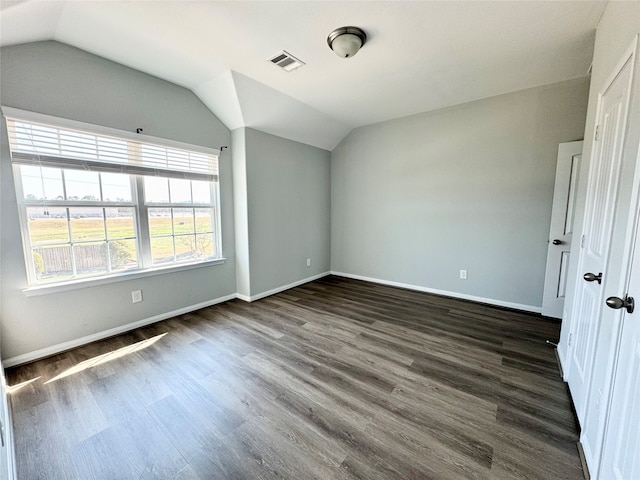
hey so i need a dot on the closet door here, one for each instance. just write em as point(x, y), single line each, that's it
point(6, 447)
point(621, 452)
point(598, 240)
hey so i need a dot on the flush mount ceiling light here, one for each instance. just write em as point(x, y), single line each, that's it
point(346, 41)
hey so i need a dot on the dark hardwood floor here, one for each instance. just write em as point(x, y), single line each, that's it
point(335, 379)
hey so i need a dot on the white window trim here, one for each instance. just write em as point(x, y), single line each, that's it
point(78, 284)
point(23, 205)
point(145, 268)
point(143, 207)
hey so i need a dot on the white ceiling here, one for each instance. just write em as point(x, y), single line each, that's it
point(419, 56)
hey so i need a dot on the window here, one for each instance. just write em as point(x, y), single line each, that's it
point(94, 204)
point(181, 220)
point(87, 228)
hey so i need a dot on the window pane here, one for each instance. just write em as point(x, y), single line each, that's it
point(80, 223)
point(204, 220)
point(180, 190)
point(87, 224)
point(204, 245)
point(160, 221)
point(53, 212)
point(120, 223)
point(41, 183)
point(45, 228)
point(116, 187)
point(91, 258)
point(185, 247)
point(161, 250)
point(31, 183)
point(123, 254)
point(52, 179)
point(183, 220)
point(82, 185)
point(156, 190)
point(53, 262)
point(201, 191)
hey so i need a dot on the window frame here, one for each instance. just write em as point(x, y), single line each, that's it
point(143, 215)
point(28, 247)
point(138, 203)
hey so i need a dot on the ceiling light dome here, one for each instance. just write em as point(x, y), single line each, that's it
point(346, 41)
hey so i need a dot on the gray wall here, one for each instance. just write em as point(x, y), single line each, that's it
point(289, 210)
point(58, 80)
point(416, 199)
point(411, 200)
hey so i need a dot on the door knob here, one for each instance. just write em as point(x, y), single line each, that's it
point(590, 277)
point(557, 242)
point(616, 303)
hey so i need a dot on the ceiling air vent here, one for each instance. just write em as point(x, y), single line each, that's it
point(286, 61)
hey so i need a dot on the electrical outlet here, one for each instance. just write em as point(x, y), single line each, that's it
point(136, 296)
point(463, 274)
point(308, 262)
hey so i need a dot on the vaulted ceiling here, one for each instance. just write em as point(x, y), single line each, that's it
point(419, 56)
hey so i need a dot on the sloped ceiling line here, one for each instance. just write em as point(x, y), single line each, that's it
point(420, 56)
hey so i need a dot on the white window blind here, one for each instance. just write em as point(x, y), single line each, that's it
point(37, 143)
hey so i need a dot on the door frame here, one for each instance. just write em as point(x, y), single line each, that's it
point(631, 239)
point(593, 442)
point(628, 55)
point(632, 235)
point(567, 152)
point(9, 472)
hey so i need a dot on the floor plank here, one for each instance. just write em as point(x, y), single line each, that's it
point(334, 379)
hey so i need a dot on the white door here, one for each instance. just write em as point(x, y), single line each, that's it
point(561, 228)
point(6, 448)
point(621, 451)
point(602, 193)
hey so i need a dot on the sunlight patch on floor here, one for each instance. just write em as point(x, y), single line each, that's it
point(107, 357)
point(18, 386)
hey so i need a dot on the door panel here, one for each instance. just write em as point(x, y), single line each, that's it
point(584, 334)
point(606, 179)
point(573, 188)
point(602, 193)
point(621, 451)
point(561, 292)
point(561, 228)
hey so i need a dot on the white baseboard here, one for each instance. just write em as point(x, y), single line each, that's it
point(587, 454)
point(273, 291)
point(61, 347)
point(562, 356)
point(463, 296)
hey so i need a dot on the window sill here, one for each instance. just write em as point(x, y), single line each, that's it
point(47, 289)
